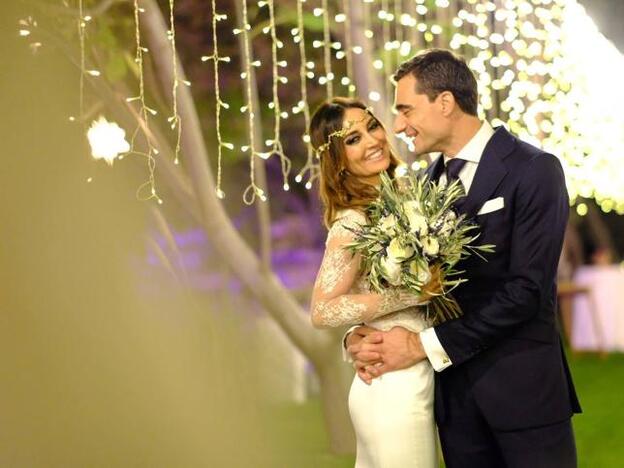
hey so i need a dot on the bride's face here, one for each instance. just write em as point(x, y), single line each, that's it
point(366, 147)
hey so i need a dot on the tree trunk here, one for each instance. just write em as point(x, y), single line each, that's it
point(335, 379)
point(322, 348)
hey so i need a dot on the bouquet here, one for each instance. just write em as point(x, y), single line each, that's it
point(414, 239)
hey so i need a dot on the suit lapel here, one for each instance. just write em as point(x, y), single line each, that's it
point(435, 169)
point(490, 171)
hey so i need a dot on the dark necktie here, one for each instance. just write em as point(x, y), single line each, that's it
point(452, 169)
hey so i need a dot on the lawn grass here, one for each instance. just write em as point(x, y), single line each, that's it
point(599, 433)
point(599, 383)
point(301, 435)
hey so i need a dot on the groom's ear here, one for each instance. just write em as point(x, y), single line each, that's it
point(447, 103)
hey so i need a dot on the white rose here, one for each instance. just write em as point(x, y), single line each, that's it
point(387, 222)
point(392, 271)
point(420, 271)
point(417, 223)
point(415, 218)
point(397, 251)
point(430, 246)
point(412, 206)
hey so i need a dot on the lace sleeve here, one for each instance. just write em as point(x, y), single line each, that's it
point(332, 303)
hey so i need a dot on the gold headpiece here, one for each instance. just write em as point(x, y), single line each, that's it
point(342, 132)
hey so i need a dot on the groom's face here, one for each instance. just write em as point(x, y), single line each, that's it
point(419, 118)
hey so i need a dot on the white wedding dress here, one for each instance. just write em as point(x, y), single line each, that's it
point(393, 417)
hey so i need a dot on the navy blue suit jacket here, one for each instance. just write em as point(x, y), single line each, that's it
point(506, 348)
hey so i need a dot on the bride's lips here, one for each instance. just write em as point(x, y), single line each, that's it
point(374, 155)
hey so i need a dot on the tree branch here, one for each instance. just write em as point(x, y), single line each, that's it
point(264, 285)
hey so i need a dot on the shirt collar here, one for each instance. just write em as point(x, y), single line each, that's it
point(473, 150)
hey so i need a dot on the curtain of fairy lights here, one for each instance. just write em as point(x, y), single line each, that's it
point(543, 70)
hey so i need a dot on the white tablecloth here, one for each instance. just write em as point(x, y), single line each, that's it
point(606, 284)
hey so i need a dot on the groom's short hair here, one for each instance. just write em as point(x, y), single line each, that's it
point(439, 70)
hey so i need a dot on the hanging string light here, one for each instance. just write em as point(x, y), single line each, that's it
point(328, 79)
point(310, 167)
point(386, 17)
point(349, 81)
point(369, 34)
point(174, 120)
point(82, 25)
point(144, 115)
point(252, 191)
point(81, 38)
point(526, 56)
point(398, 29)
point(276, 143)
point(219, 103)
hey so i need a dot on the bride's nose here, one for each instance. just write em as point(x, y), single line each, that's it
point(371, 140)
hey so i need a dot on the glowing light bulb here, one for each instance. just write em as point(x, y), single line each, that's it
point(107, 140)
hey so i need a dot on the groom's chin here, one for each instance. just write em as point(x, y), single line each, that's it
point(419, 152)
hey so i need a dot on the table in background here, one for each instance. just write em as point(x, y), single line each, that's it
point(605, 299)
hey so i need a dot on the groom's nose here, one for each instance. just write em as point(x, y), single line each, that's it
point(399, 124)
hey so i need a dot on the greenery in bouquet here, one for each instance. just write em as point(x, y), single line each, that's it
point(414, 239)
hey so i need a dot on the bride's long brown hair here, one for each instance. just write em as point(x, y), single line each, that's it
point(339, 189)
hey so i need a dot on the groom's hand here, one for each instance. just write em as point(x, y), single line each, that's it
point(399, 349)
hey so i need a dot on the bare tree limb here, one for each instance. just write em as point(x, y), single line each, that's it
point(264, 285)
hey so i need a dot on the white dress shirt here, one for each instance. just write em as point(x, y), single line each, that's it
point(471, 153)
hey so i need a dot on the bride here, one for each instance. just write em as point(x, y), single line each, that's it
point(393, 416)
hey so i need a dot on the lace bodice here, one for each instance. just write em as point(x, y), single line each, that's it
point(342, 294)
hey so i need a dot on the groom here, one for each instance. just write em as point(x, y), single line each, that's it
point(504, 395)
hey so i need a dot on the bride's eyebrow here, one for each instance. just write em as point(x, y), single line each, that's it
point(353, 132)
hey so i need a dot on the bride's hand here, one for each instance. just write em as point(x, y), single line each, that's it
point(357, 335)
point(358, 343)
